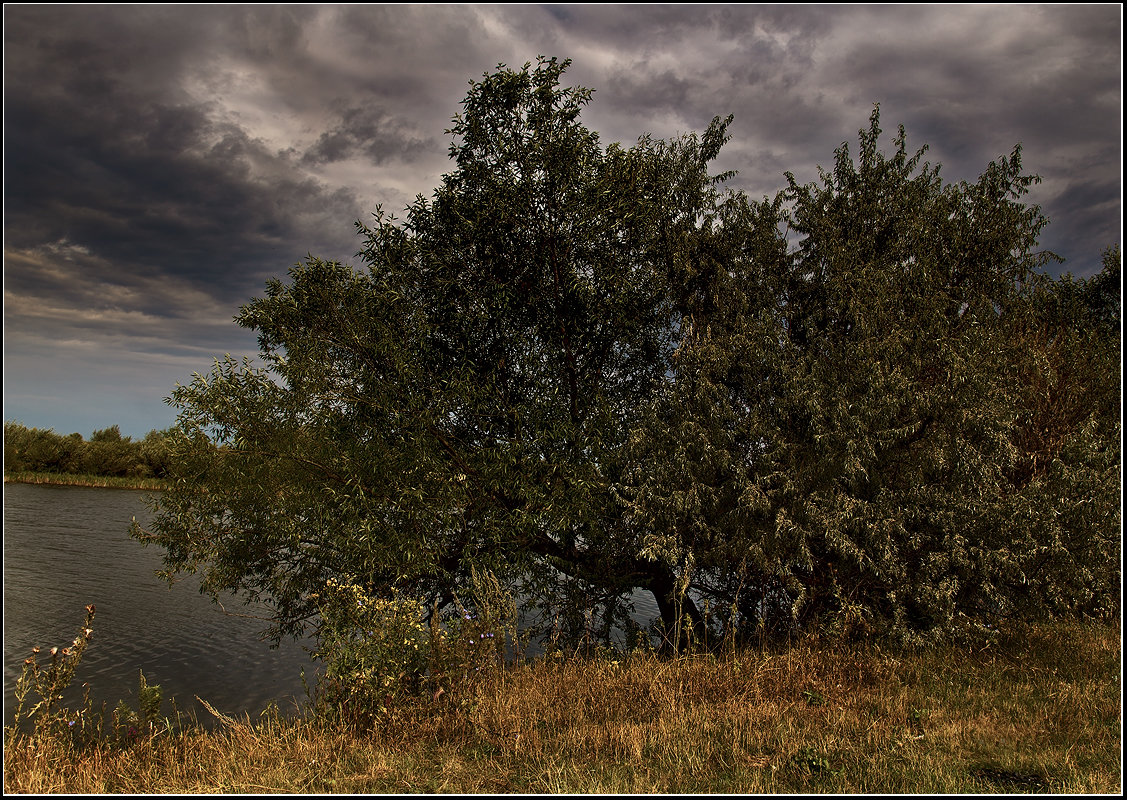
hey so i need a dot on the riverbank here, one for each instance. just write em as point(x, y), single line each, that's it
point(94, 481)
point(1036, 710)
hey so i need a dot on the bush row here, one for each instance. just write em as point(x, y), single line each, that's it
point(107, 452)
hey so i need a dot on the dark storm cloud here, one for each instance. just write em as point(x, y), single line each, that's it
point(137, 178)
point(369, 133)
point(138, 213)
point(102, 157)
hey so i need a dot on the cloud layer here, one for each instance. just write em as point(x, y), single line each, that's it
point(161, 162)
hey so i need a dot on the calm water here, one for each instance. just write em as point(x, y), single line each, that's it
point(65, 547)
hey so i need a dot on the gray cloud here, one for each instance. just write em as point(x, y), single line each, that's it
point(369, 133)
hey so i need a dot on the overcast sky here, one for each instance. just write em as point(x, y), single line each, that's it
point(161, 162)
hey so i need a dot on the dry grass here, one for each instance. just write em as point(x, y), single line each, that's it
point(1038, 711)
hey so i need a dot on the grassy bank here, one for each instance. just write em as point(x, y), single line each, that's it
point(98, 481)
point(1038, 710)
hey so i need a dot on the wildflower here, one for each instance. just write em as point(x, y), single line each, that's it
point(90, 609)
point(54, 650)
point(35, 649)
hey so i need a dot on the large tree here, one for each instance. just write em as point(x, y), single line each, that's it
point(464, 401)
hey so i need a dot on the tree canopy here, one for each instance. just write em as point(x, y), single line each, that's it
point(593, 370)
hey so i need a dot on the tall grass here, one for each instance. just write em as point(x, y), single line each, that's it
point(1036, 710)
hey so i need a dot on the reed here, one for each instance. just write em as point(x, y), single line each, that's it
point(95, 481)
point(1038, 709)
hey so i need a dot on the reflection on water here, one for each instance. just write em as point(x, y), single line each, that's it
point(65, 547)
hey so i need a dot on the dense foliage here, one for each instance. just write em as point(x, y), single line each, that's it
point(591, 370)
point(106, 453)
point(898, 421)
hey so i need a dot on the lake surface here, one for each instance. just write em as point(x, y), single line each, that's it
point(65, 547)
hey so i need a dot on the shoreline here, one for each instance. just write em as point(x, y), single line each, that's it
point(88, 481)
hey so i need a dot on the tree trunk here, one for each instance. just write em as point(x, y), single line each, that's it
point(663, 584)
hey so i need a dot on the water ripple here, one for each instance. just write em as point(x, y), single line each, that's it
point(65, 547)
